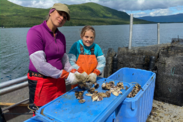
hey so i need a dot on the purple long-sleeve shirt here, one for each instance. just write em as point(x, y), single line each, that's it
point(40, 39)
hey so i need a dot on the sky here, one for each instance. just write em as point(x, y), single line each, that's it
point(138, 8)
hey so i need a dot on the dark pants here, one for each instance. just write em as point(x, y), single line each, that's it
point(2, 119)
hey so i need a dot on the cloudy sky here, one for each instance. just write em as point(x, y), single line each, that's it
point(138, 8)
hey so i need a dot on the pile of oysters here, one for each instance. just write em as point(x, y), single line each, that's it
point(135, 90)
point(98, 96)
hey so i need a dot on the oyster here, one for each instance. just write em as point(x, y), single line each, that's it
point(135, 90)
point(95, 91)
point(120, 85)
point(76, 93)
point(130, 95)
point(79, 94)
point(103, 86)
point(88, 94)
point(85, 86)
point(96, 97)
point(82, 86)
point(102, 94)
point(96, 85)
point(81, 100)
point(108, 93)
point(107, 86)
point(91, 90)
point(115, 91)
point(99, 98)
point(112, 83)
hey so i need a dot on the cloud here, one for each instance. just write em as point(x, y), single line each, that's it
point(130, 5)
point(140, 14)
point(160, 12)
point(133, 5)
point(138, 7)
point(157, 12)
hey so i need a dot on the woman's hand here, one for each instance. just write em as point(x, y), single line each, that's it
point(72, 78)
point(77, 78)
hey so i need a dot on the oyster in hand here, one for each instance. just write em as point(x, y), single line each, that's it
point(81, 77)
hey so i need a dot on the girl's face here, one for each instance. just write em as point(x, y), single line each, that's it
point(88, 38)
point(58, 18)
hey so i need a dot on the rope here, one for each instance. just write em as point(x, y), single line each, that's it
point(33, 107)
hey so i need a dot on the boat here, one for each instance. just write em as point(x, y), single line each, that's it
point(14, 99)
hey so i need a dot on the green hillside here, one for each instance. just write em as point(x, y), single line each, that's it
point(12, 15)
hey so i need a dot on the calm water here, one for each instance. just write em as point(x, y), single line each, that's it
point(14, 55)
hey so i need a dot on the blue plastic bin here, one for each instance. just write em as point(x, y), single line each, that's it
point(138, 108)
point(67, 108)
point(37, 119)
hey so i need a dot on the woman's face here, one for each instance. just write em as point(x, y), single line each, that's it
point(58, 18)
point(88, 38)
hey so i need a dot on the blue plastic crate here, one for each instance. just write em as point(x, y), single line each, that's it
point(111, 118)
point(67, 108)
point(138, 108)
point(37, 119)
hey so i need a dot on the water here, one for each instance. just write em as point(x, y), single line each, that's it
point(14, 55)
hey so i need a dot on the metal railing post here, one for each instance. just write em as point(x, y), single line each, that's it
point(131, 29)
point(158, 32)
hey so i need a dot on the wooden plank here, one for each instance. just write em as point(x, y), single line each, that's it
point(10, 104)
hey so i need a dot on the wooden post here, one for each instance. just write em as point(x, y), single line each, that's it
point(158, 33)
point(131, 28)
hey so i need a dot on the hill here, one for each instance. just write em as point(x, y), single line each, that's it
point(12, 15)
point(170, 18)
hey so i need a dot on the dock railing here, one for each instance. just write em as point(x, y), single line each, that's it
point(131, 30)
point(12, 85)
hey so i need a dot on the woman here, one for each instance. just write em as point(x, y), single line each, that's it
point(49, 64)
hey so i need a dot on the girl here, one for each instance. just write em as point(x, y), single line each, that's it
point(87, 56)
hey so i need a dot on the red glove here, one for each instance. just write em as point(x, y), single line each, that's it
point(64, 74)
point(80, 70)
point(96, 71)
point(73, 70)
point(72, 78)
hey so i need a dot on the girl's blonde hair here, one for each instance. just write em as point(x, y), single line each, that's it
point(87, 28)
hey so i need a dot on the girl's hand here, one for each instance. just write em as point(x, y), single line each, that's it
point(92, 77)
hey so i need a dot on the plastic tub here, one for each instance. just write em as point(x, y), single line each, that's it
point(138, 108)
point(67, 108)
point(37, 119)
